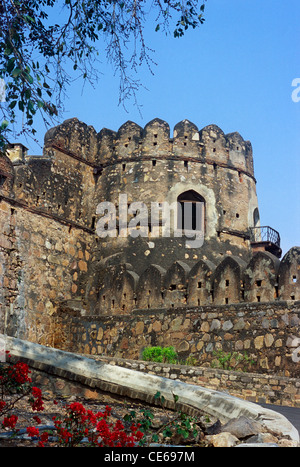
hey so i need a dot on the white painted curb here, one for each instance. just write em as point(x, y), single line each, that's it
point(214, 403)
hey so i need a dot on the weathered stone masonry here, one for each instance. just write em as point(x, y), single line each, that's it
point(64, 286)
point(267, 333)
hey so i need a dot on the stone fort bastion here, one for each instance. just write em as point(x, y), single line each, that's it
point(64, 285)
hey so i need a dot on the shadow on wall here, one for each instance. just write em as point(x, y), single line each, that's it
point(264, 279)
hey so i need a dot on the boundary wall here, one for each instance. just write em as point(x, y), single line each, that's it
point(268, 333)
point(253, 387)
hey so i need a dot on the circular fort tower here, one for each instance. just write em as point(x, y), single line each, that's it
point(210, 171)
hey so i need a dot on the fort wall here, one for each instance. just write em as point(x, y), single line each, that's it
point(59, 277)
point(267, 333)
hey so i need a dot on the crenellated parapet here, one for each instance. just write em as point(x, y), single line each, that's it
point(264, 279)
point(131, 142)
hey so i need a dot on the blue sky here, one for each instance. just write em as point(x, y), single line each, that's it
point(235, 71)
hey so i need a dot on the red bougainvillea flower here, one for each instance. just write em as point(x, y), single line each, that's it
point(2, 405)
point(37, 403)
point(10, 422)
point(43, 439)
point(32, 431)
point(19, 373)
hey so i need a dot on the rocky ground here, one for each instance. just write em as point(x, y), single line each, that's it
point(207, 432)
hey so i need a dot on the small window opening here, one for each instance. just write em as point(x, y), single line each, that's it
point(103, 298)
point(126, 145)
point(199, 285)
point(292, 297)
point(258, 298)
point(191, 213)
point(237, 148)
point(294, 279)
point(214, 149)
point(226, 301)
point(258, 283)
point(123, 167)
point(155, 143)
point(153, 163)
point(113, 303)
point(93, 222)
point(215, 166)
point(224, 212)
point(124, 296)
point(237, 215)
point(186, 164)
point(198, 301)
point(227, 283)
point(173, 287)
point(155, 135)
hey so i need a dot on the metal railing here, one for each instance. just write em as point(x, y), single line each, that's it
point(264, 234)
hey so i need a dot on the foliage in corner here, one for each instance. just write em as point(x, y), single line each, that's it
point(46, 44)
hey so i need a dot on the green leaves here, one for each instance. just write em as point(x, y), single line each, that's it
point(159, 354)
point(4, 124)
point(158, 397)
point(176, 424)
point(36, 53)
point(16, 72)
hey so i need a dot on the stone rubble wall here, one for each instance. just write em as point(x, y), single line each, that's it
point(266, 333)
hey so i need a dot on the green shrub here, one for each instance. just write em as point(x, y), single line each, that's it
point(160, 355)
point(232, 361)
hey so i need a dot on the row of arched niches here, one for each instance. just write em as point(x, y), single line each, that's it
point(264, 279)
